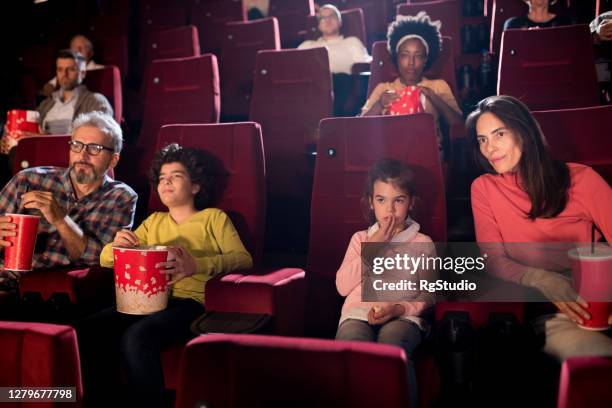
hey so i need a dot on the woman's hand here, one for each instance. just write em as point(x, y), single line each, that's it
point(182, 266)
point(387, 98)
point(559, 291)
point(382, 314)
point(385, 231)
point(126, 239)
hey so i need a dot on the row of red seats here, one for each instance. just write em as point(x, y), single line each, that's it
point(240, 370)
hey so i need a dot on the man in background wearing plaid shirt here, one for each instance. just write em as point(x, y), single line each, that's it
point(81, 207)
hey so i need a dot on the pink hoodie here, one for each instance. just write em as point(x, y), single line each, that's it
point(348, 277)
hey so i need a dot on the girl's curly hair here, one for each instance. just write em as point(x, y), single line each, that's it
point(198, 164)
point(420, 25)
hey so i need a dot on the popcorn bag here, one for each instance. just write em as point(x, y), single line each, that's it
point(22, 120)
point(140, 287)
point(409, 102)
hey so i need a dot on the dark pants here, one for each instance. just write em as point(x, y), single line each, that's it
point(109, 340)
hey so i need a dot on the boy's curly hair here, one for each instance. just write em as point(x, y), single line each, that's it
point(420, 25)
point(199, 166)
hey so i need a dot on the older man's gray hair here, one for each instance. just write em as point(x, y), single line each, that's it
point(104, 123)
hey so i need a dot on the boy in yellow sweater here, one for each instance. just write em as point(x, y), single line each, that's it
point(205, 243)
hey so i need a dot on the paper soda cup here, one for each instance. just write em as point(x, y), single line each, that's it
point(18, 256)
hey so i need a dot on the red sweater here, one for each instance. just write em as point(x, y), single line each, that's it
point(500, 207)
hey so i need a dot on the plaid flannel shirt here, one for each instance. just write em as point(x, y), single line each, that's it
point(99, 214)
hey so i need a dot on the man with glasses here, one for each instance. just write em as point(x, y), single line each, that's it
point(81, 207)
point(60, 108)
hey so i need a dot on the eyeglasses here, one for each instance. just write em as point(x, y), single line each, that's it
point(93, 149)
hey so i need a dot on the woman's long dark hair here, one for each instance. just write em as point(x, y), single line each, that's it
point(545, 180)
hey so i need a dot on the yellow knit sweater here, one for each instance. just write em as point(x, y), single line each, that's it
point(208, 235)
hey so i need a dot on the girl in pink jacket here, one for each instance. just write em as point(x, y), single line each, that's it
point(388, 197)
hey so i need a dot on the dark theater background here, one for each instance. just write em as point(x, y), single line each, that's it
point(256, 85)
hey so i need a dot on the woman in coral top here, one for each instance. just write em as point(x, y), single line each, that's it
point(526, 197)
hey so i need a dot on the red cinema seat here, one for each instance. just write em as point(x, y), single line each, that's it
point(45, 150)
point(210, 17)
point(278, 293)
point(501, 11)
point(576, 135)
point(352, 25)
point(245, 370)
point(292, 16)
point(156, 15)
point(375, 13)
point(347, 148)
point(585, 382)
point(39, 355)
point(179, 90)
point(549, 68)
point(447, 11)
point(107, 81)
point(292, 92)
point(383, 70)
point(241, 43)
point(178, 42)
point(113, 50)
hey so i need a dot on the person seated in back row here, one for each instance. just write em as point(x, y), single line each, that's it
point(539, 16)
point(414, 43)
point(82, 45)
point(343, 51)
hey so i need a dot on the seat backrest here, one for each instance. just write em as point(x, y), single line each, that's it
point(241, 42)
point(292, 17)
point(383, 69)
point(113, 50)
point(501, 11)
point(180, 90)
point(210, 17)
point(238, 148)
point(44, 150)
point(375, 13)
point(255, 370)
point(549, 68)
point(39, 355)
point(577, 135)
point(347, 148)
point(107, 81)
point(585, 382)
point(156, 16)
point(352, 25)
point(178, 42)
point(447, 11)
point(292, 92)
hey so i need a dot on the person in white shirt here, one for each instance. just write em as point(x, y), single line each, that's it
point(81, 44)
point(343, 51)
